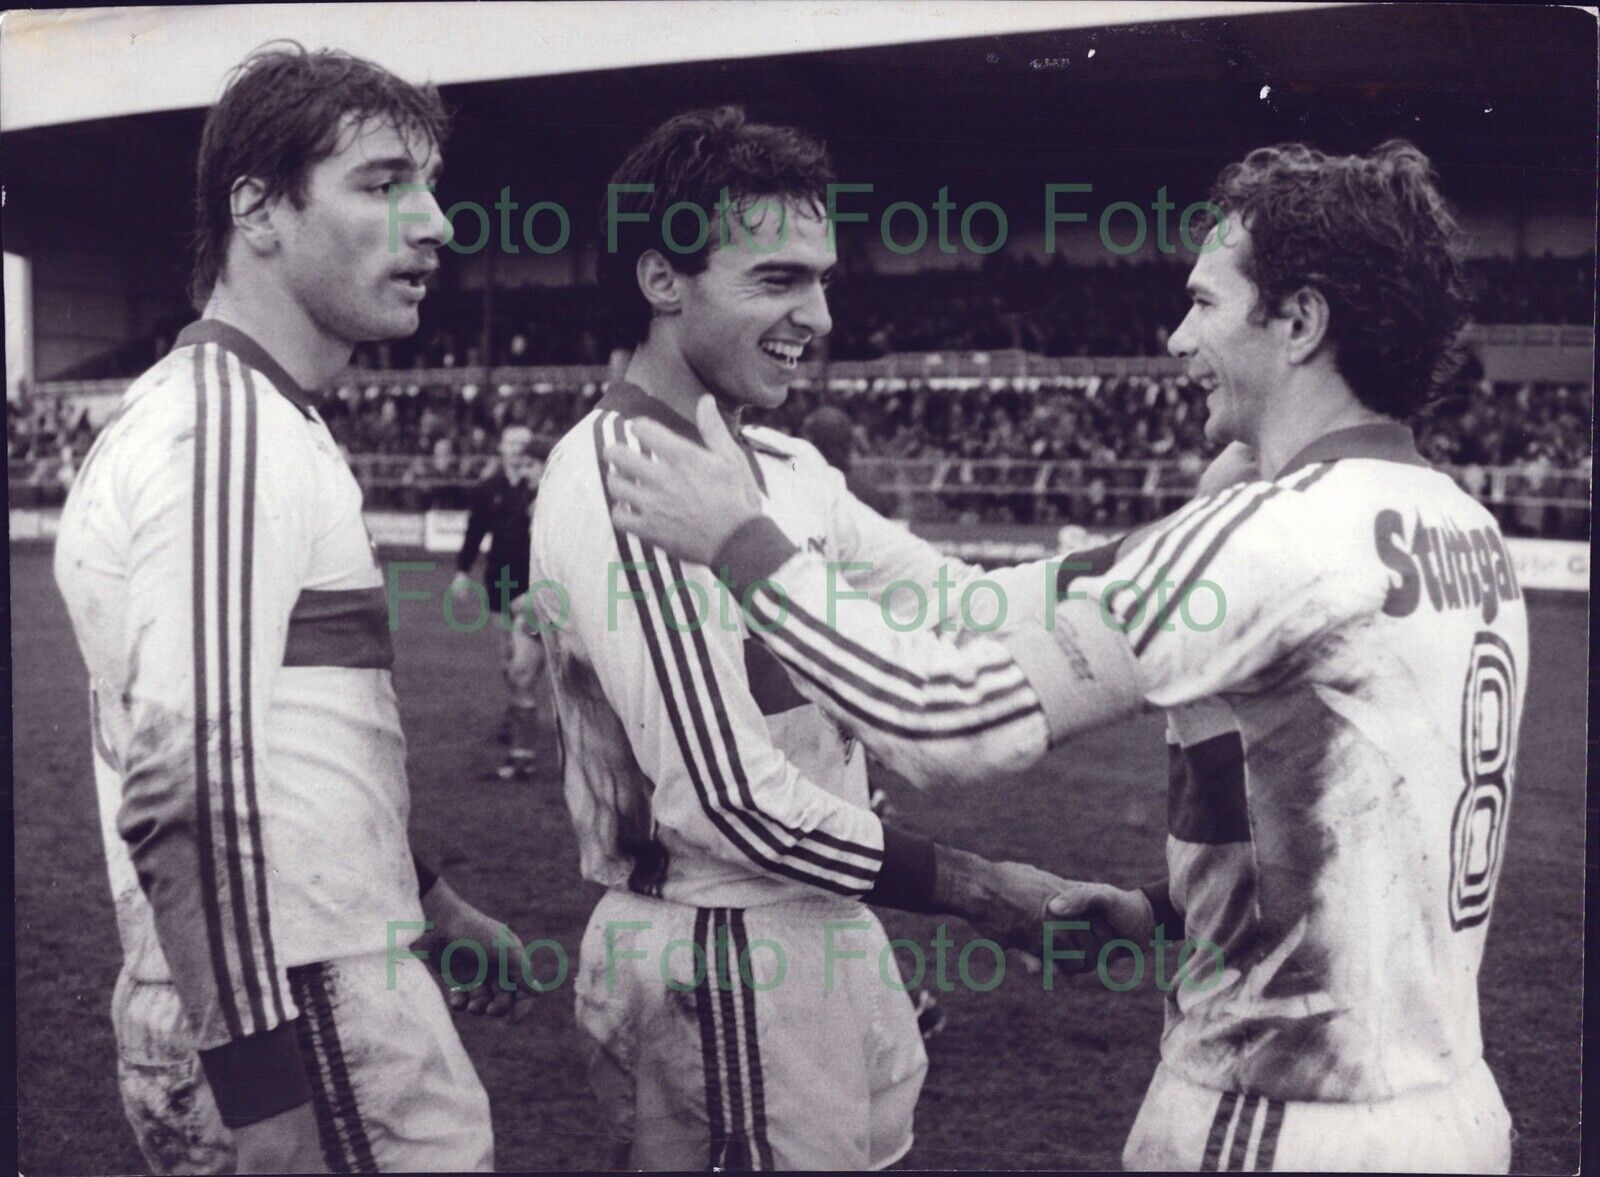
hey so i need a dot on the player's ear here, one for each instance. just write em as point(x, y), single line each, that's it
point(251, 213)
point(659, 282)
point(1305, 316)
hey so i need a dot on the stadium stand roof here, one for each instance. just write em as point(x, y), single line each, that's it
point(137, 50)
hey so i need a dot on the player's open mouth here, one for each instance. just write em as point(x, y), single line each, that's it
point(787, 354)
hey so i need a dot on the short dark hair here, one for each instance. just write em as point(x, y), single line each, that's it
point(279, 116)
point(693, 157)
point(1374, 236)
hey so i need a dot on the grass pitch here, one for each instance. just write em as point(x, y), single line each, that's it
point(1021, 1078)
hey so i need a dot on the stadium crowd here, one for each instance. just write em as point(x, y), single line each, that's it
point(421, 439)
point(1051, 309)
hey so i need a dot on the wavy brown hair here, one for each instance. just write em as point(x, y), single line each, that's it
point(280, 115)
point(694, 157)
point(1374, 236)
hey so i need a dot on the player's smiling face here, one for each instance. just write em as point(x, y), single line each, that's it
point(357, 267)
point(746, 320)
point(1238, 361)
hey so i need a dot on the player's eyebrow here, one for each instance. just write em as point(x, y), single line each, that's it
point(402, 164)
point(791, 269)
point(1195, 288)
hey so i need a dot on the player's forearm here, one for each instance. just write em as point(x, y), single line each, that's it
point(1005, 900)
point(250, 1053)
point(937, 712)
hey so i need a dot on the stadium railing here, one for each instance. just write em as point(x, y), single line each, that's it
point(1526, 500)
point(934, 367)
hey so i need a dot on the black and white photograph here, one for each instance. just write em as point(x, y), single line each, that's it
point(731, 585)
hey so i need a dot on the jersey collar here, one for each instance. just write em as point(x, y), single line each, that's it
point(629, 400)
point(1383, 441)
point(250, 353)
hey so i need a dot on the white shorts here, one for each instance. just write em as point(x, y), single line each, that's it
point(1462, 1128)
point(391, 1086)
point(765, 1068)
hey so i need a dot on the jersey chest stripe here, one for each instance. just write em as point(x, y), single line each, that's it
point(225, 685)
point(722, 812)
point(1200, 565)
point(209, 901)
point(1178, 525)
point(1228, 500)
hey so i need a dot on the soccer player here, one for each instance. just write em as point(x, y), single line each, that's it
point(740, 1004)
point(502, 509)
point(247, 746)
point(1342, 644)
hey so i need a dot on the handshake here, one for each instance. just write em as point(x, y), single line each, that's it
point(1012, 902)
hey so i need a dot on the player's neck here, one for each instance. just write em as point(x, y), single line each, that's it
point(281, 326)
point(662, 373)
point(1293, 422)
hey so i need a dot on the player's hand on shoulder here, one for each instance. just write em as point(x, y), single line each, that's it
point(1237, 463)
point(684, 496)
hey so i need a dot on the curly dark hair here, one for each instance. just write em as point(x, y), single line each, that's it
point(279, 116)
point(693, 157)
point(1373, 235)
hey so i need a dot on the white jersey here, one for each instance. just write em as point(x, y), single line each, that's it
point(1358, 624)
point(695, 771)
point(248, 753)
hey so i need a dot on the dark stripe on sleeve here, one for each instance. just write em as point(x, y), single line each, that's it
point(207, 881)
point(340, 627)
point(1095, 561)
point(754, 817)
point(234, 850)
point(888, 727)
point(1206, 802)
point(246, 702)
point(1177, 524)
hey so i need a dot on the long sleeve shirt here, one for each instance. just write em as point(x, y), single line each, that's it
point(1343, 651)
point(248, 750)
point(694, 769)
